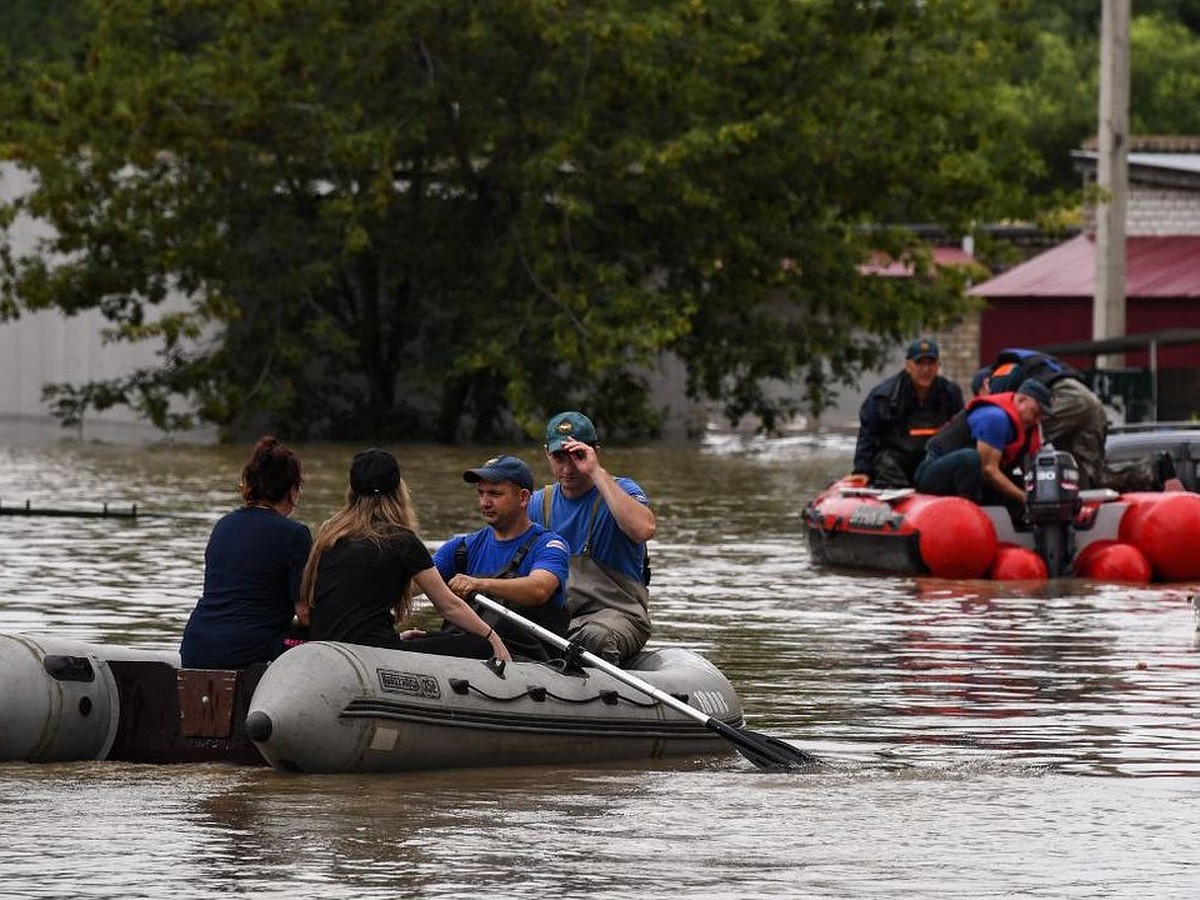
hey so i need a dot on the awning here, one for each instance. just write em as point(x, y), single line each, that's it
point(1165, 338)
point(1149, 341)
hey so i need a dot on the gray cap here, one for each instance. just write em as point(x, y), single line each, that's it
point(1031, 387)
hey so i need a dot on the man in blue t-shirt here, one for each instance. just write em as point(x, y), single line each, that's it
point(511, 560)
point(606, 521)
point(973, 454)
point(1078, 424)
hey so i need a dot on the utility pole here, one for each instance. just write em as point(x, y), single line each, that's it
point(1112, 178)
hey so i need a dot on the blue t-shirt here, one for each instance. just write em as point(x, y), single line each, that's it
point(609, 544)
point(487, 556)
point(252, 568)
point(991, 424)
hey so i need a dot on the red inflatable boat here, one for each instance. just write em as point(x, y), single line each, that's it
point(1102, 535)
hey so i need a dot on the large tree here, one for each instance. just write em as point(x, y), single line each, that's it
point(1055, 79)
point(418, 218)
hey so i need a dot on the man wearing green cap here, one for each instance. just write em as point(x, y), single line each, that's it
point(607, 521)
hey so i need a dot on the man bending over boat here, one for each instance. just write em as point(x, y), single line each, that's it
point(900, 415)
point(973, 455)
point(510, 559)
point(1078, 424)
point(606, 521)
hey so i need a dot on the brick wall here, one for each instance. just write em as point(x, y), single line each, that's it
point(1162, 211)
point(960, 351)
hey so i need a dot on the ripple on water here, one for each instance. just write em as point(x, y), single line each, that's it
point(958, 716)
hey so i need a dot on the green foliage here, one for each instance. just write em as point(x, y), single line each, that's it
point(1054, 86)
point(43, 29)
point(1165, 77)
point(1055, 79)
point(412, 220)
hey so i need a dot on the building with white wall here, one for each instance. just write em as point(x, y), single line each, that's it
point(45, 347)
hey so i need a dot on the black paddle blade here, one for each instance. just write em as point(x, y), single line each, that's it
point(765, 752)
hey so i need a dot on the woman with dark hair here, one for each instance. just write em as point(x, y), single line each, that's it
point(367, 564)
point(252, 568)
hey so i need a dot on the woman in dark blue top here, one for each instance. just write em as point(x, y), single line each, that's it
point(252, 568)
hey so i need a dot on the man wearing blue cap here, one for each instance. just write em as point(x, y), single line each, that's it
point(900, 414)
point(512, 560)
point(973, 455)
point(607, 521)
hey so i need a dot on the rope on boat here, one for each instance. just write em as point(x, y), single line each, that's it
point(539, 694)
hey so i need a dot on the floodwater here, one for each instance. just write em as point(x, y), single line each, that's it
point(984, 740)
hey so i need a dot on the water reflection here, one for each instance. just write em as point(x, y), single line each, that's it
point(968, 830)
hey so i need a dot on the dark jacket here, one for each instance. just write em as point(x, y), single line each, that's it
point(893, 420)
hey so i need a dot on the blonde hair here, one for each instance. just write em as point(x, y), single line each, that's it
point(378, 518)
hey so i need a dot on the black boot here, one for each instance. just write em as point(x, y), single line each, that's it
point(1164, 469)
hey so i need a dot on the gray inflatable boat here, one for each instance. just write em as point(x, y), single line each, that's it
point(63, 700)
point(60, 699)
point(333, 707)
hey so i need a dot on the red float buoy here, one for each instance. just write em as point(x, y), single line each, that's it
point(1113, 561)
point(1015, 563)
point(957, 539)
point(1164, 528)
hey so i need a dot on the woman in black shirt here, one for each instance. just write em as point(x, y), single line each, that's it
point(367, 563)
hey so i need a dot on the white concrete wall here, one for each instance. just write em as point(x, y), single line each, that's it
point(46, 347)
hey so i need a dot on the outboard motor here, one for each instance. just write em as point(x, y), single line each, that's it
point(1052, 502)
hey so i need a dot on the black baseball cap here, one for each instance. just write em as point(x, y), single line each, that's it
point(1032, 388)
point(374, 471)
point(923, 348)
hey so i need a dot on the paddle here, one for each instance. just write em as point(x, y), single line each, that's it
point(764, 751)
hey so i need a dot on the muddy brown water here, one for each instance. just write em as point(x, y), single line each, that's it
point(986, 740)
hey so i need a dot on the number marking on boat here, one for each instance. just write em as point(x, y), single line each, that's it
point(872, 517)
point(413, 684)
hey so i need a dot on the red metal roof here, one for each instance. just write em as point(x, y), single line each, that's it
point(882, 264)
point(1154, 267)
